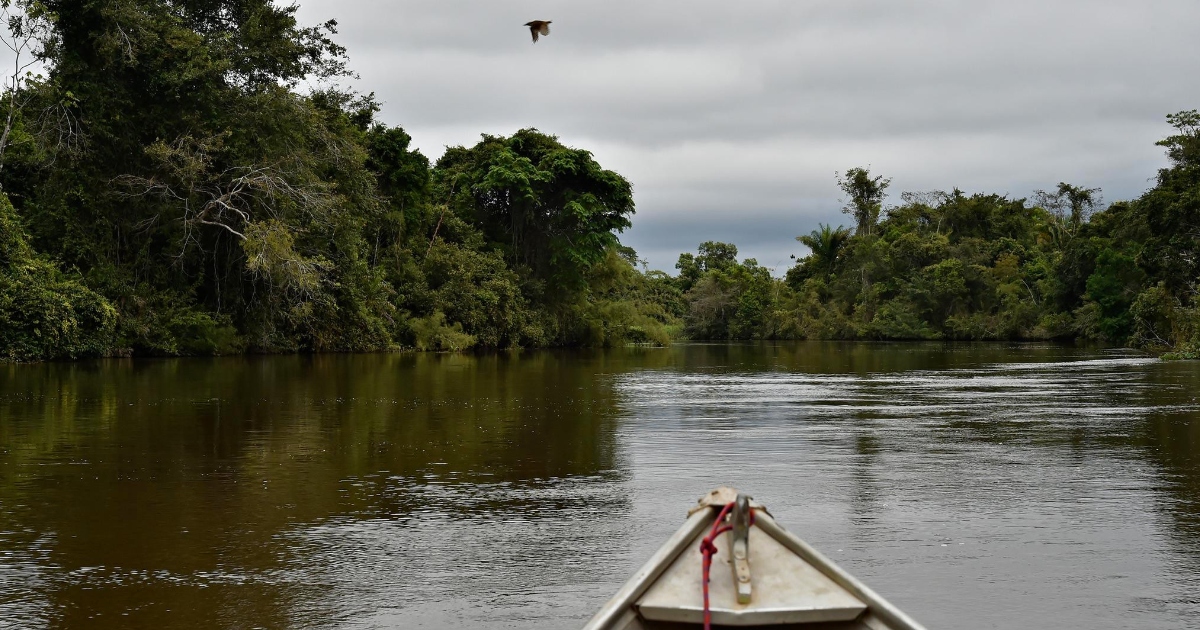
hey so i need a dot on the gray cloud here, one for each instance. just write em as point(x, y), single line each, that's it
point(731, 118)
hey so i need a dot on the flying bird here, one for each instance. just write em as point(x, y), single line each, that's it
point(538, 27)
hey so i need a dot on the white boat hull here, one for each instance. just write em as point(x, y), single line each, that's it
point(794, 586)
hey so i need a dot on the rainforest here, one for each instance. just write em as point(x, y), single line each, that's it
point(188, 178)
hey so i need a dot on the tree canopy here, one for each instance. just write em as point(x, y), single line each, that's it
point(549, 208)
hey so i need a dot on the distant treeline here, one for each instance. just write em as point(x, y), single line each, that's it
point(168, 189)
point(947, 265)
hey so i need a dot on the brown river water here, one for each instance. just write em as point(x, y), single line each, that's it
point(974, 486)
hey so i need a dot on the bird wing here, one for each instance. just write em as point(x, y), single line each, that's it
point(533, 30)
point(544, 29)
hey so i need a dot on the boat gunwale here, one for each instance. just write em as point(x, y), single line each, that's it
point(876, 604)
point(636, 586)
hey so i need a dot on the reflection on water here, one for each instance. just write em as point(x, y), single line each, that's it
point(1014, 486)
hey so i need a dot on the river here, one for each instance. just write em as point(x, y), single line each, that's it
point(982, 486)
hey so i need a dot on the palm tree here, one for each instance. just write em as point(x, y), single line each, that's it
point(825, 244)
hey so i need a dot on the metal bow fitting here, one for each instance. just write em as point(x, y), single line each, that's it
point(743, 517)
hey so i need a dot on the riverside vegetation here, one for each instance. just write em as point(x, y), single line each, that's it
point(169, 189)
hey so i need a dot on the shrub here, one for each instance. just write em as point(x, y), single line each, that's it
point(1188, 351)
point(432, 333)
point(44, 314)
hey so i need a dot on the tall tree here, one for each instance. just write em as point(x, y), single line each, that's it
point(552, 209)
point(1070, 205)
point(866, 195)
point(1183, 147)
point(1165, 220)
point(716, 255)
point(710, 255)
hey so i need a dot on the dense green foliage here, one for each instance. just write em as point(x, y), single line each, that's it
point(44, 313)
point(958, 266)
point(205, 205)
point(173, 191)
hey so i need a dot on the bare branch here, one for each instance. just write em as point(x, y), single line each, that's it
point(128, 44)
point(229, 199)
point(222, 225)
point(23, 32)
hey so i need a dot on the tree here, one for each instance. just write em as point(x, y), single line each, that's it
point(552, 209)
point(1164, 223)
point(1071, 206)
point(716, 255)
point(866, 195)
point(825, 243)
point(689, 271)
point(1113, 287)
point(27, 30)
point(1183, 148)
point(710, 255)
point(402, 172)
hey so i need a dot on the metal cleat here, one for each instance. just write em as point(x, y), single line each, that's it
point(741, 547)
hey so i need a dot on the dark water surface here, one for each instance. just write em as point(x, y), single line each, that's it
point(974, 486)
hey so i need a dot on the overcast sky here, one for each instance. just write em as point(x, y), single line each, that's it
point(730, 118)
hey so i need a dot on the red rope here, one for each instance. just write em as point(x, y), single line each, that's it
point(708, 550)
